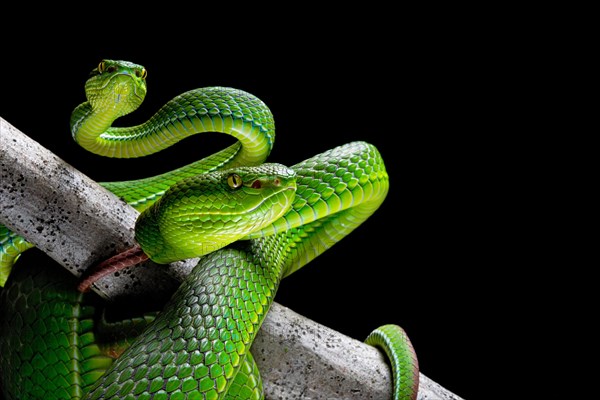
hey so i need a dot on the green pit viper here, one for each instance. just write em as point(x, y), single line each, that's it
point(252, 222)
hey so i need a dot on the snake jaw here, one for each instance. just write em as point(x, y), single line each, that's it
point(121, 89)
point(132, 86)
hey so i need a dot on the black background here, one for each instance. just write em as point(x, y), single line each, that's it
point(421, 259)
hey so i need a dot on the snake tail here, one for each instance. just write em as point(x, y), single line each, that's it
point(128, 258)
point(394, 341)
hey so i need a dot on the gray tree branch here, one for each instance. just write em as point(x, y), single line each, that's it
point(77, 223)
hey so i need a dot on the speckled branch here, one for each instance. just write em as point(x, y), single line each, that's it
point(67, 215)
point(77, 223)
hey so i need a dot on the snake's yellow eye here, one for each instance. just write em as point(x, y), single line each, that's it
point(234, 181)
point(102, 67)
point(141, 73)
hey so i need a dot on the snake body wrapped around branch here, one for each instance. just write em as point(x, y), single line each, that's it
point(252, 223)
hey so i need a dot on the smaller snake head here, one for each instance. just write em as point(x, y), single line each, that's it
point(116, 87)
point(207, 212)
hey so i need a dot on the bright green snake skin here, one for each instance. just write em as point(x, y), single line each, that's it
point(197, 348)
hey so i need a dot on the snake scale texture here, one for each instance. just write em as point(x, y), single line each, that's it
point(252, 223)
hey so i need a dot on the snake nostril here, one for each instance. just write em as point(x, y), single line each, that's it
point(277, 182)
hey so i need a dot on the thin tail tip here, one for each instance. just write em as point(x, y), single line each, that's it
point(128, 258)
point(84, 286)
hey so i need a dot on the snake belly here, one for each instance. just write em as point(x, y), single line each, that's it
point(197, 348)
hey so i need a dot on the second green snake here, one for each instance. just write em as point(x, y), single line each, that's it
point(197, 348)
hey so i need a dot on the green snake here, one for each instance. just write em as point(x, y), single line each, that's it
point(253, 223)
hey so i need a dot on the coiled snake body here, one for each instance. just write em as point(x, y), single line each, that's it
point(268, 221)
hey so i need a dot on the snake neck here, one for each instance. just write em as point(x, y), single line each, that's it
point(214, 109)
point(87, 125)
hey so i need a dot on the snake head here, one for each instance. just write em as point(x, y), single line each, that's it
point(207, 212)
point(116, 87)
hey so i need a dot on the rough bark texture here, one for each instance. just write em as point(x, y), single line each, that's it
point(77, 223)
point(67, 215)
